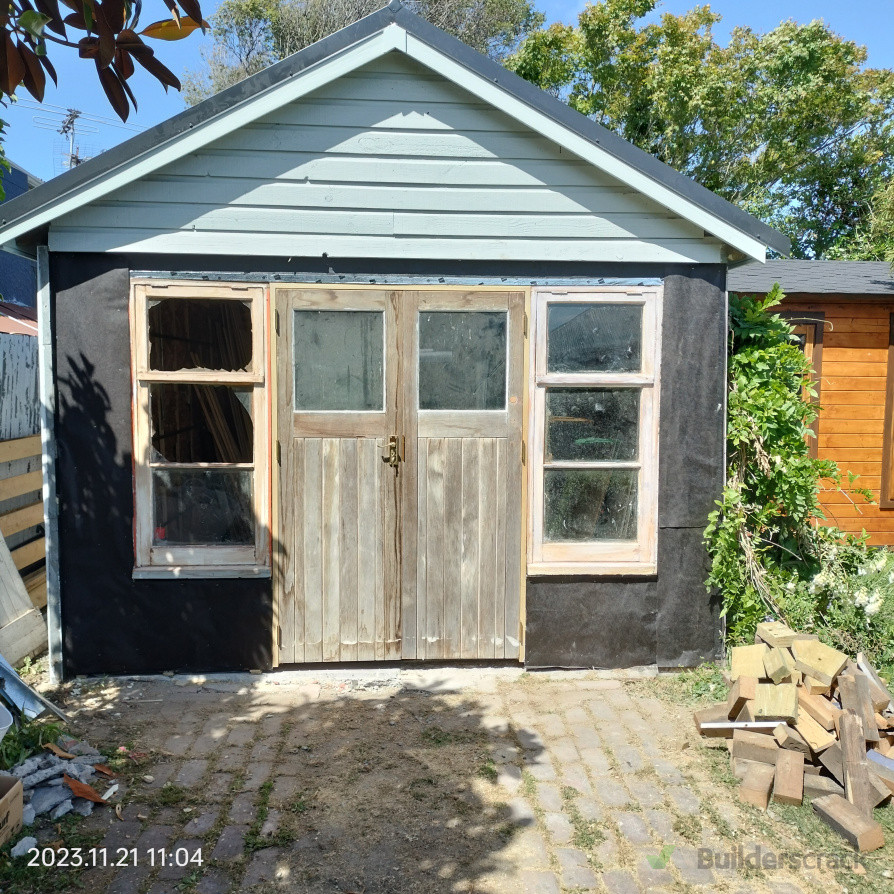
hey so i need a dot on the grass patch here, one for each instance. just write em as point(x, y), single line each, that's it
point(488, 771)
point(170, 795)
point(253, 838)
point(698, 686)
point(688, 827)
point(17, 877)
point(587, 833)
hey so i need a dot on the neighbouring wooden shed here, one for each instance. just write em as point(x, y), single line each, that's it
point(381, 354)
point(844, 313)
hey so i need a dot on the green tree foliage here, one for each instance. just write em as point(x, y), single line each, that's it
point(790, 125)
point(104, 32)
point(249, 35)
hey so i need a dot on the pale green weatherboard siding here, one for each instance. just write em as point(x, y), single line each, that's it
point(388, 161)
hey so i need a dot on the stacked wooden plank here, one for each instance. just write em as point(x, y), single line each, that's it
point(804, 721)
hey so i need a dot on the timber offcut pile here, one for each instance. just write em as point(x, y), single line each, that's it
point(805, 721)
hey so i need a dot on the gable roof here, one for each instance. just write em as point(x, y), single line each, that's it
point(814, 278)
point(391, 28)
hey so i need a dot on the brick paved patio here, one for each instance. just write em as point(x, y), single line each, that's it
point(484, 781)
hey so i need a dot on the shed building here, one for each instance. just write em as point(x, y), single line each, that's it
point(381, 354)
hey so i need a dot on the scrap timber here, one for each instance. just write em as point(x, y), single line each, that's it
point(805, 723)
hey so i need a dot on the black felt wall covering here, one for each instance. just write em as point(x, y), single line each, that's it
point(111, 623)
point(670, 620)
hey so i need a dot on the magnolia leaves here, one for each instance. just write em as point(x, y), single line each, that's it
point(110, 38)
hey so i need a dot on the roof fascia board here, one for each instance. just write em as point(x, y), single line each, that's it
point(392, 37)
point(492, 93)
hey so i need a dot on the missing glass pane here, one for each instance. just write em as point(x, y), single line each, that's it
point(339, 359)
point(592, 424)
point(462, 360)
point(188, 333)
point(594, 338)
point(589, 504)
point(201, 423)
point(202, 507)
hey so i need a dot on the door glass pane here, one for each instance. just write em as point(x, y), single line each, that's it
point(339, 358)
point(462, 360)
point(592, 424)
point(589, 504)
point(201, 423)
point(594, 338)
point(209, 506)
point(199, 333)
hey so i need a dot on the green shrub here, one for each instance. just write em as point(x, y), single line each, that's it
point(22, 742)
point(771, 556)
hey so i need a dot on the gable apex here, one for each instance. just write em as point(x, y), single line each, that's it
point(393, 28)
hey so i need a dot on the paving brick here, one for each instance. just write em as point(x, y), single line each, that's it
point(160, 773)
point(191, 773)
point(596, 761)
point(271, 726)
point(662, 822)
point(214, 882)
point(243, 810)
point(528, 850)
point(122, 834)
point(535, 881)
point(589, 809)
point(230, 844)
point(509, 777)
point(219, 787)
point(267, 865)
point(575, 775)
point(667, 772)
point(284, 790)
point(549, 797)
point(242, 734)
point(649, 877)
point(163, 886)
point(686, 861)
point(178, 745)
point(183, 852)
point(232, 759)
point(155, 837)
point(684, 800)
point(521, 812)
point(574, 870)
point(620, 882)
point(602, 711)
point(607, 850)
point(271, 824)
point(560, 830)
point(204, 745)
point(201, 824)
point(629, 759)
point(258, 773)
point(645, 791)
point(586, 735)
point(552, 726)
point(633, 827)
point(264, 751)
point(612, 793)
point(127, 879)
point(565, 751)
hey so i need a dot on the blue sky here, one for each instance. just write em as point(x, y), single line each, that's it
point(31, 140)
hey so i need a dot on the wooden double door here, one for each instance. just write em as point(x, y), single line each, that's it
point(400, 474)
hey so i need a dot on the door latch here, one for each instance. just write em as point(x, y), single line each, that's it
point(393, 457)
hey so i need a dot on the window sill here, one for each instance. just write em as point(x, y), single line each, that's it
point(188, 572)
point(592, 569)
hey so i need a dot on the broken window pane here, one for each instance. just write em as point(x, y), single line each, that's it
point(208, 506)
point(589, 504)
point(594, 338)
point(339, 359)
point(201, 423)
point(199, 333)
point(462, 360)
point(592, 424)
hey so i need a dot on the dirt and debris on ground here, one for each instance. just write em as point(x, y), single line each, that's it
point(479, 780)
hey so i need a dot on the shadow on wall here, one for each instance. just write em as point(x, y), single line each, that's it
point(112, 623)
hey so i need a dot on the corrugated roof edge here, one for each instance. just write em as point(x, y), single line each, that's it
point(19, 209)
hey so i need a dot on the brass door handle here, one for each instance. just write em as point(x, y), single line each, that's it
point(393, 457)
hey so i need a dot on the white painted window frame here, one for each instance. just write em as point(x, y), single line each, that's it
point(597, 557)
point(199, 561)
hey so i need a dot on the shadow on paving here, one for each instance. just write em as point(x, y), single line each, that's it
point(389, 794)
